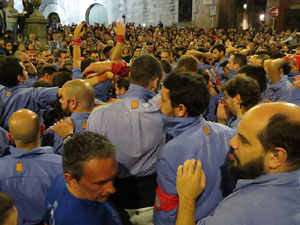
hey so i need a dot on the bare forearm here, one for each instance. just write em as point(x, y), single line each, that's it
point(186, 213)
point(116, 54)
point(76, 56)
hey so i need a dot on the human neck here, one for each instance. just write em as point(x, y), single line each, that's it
point(28, 146)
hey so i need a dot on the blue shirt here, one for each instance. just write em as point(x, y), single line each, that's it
point(19, 97)
point(193, 138)
point(26, 176)
point(271, 199)
point(278, 91)
point(294, 96)
point(234, 124)
point(291, 76)
point(65, 209)
point(134, 126)
point(3, 140)
point(52, 139)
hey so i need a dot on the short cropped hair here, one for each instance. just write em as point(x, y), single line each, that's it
point(189, 90)
point(239, 59)
point(144, 69)
point(246, 87)
point(61, 78)
point(123, 83)
point(282, 131)
point(187, 63)
point(50, 69)
point(219, 47)
point(87, 145)
point(257, 73)
point(10, 68)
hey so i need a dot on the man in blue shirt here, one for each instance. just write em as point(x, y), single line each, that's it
point(14, 95)
point(77, 98)
point(27, 170)
point(193, 137)
point(241, 94)
point(265, 156)
point(79, 195)
point(134, 126)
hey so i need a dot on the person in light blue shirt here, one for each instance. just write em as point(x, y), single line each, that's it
point(265, 157)
point(192, 137)
point(14, 96)
point(77, 98)
point(134, 126)
point(27, 170)
point(241, 94)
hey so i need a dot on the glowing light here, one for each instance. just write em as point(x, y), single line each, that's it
point(262, 17)
point(245, 6)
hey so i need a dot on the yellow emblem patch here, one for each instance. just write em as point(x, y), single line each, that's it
point(7, 93)
point(19, 167)
point(206, 130)
point(134, 104)
point(83, 125)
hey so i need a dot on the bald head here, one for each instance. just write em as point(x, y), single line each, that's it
point(277, 126)
point(82, 91)
point(24, 126)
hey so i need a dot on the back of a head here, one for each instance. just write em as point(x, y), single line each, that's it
point(48, 68)
point(257, 73)
point(246, 87)
point(189, 90)
point(144, 69)
point(166, 66)
point(123, 83)
point(61, 78)
point(10, 68)
point(187, 63)
point(88, 145)
point(24, 126)
point(239, 59)
point(86, 62)
point(6, 207)
point(82, 91)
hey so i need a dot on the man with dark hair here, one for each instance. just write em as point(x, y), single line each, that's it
point(47, 56)
point(121, 86)
point(187, 63)
point(219, 55)
point(134, 126)
point(27, 170)
point(193, 137)
point(265, 157)
point(79, 195)
point(95, 54)
point(241, 94)
point(235, 62)
point(62, 55)
point(13, 94)
point(47, 73)
point(255, 72)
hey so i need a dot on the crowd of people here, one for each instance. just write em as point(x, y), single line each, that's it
point(150, 125)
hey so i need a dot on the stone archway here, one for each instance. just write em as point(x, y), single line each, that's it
point(96, 13)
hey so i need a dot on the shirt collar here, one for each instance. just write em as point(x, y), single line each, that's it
point(79, 115)
point(138, 92)
point(174, 126)
point(18, 153)
point(275, 179)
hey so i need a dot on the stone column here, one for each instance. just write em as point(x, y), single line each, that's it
point(36, 24)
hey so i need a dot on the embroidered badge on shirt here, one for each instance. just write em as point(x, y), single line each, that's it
point(206, 130)
point(83, 125)
point(134, 104)
point(19, 167)
point(7, 93)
